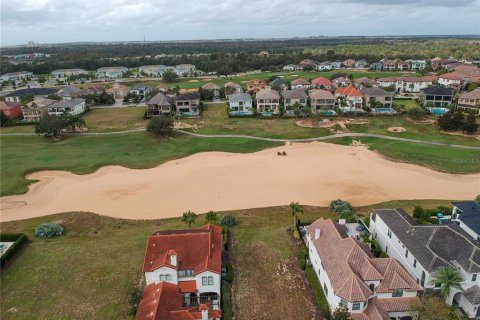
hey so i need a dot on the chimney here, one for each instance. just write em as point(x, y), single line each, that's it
point(317, 233)
point(342, 221)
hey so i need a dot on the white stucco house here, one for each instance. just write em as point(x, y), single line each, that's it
point(371, 288)
point(111, 72)
point(67, 106)
point(154, 70)
point(423, 249)
point(61, 74)
point(240, 104)
point(189, 262)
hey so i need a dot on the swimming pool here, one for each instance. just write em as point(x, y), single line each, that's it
point(438, 111)
point(383, 110)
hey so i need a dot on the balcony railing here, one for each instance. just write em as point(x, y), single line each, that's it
point(195, 301)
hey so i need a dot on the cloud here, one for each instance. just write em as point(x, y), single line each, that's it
point(114, 20)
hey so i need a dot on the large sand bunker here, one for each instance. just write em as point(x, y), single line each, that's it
point(310, 173)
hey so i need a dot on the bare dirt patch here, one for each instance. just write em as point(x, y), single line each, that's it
point(460, 133)
point(193, 81)
point(397, 129)
point(425, 121)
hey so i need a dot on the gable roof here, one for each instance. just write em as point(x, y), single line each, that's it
point(349, 263)
point(210, 86)
point(474, 95)
point(5, 105)
point(267, 94)
point(349, 91)
point(295, 94)
point(66, 103)
point(196, 249)
point(277, 83)
point(433, 246)
point(232, 85)
point(470, 215)
point(378, 92)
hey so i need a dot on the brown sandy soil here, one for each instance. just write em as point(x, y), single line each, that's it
point(309, 123)
point(182, 125)
point(311, 173)
point(192, 80)
point(397, 129)
point(426, 121)
point(460, 133)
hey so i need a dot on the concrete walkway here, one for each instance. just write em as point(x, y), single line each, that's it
point(324, 138)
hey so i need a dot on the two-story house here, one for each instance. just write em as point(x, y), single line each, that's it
point(183, 274)
point(322, 83)
point(425, 248)
point(350, 276)
point(349, 98)
point(436, 96)
point(69, 107)
point(232, 87)
point(188, 104)
point(322, 102)
point(256, 85)
point(111, 72)
point(268, 102)
point(294, 97)
point(382, 98)
point(213, 88)
point(240, 104)
point(140, 90)
point(300, 84)
point(470, 100)
point(159, 104)
point(62, 74)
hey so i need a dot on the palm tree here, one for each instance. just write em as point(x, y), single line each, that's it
point(296, 208)
point(189, 217)
point(448, 278)
point(211, 217)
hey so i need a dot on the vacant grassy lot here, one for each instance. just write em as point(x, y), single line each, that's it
point(115, 119)
point(445, 159)
point(216, 121)
point(91, 271)
point(84, 154)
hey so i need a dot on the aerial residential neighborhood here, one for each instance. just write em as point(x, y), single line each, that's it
point(182, 160)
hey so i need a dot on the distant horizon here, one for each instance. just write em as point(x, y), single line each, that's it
point(386, 36)
point(68, 21)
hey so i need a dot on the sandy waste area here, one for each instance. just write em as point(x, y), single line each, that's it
point(311, 173)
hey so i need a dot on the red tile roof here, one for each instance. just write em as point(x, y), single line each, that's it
point(349, 263)
point(397, 304)
point(5, 105)
point(196, 249)
point(349, 91)
point(188, 286)
point(163, 301)
point(299, 81)
point(320, 94)
point(321, 81)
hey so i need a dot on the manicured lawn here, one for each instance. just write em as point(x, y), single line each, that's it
point(216, 121)
point(439, 158)
point(18, 129)
point(115, 119)
point(84, 154)
point(92, 270)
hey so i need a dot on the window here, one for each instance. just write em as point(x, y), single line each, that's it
point(210, 281)
point(422, 282)
point(438, 285)
point(414, 263)
point(474, 277)
point(406, 253)
point(343, 303)
point(372, 287)
point(162, 277)
point(325, 290)
point(397, 293)
point(204, 281)
point(389, 233)
point(386, 249)
point(168, 277)
point(356, 306)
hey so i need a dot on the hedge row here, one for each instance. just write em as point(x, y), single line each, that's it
point(19, 240)
point(227, 311)
point(318, 292)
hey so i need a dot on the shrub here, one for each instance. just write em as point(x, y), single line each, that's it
point(48, 230)
point(317, 292)
point(416, 113)
point(296, 234)
point(302, 257)
point(376, 249)
point(18, 239)
point(229, 275)
point(227, 310)
point(227, 220)
point(160, 125)
point(339, 206)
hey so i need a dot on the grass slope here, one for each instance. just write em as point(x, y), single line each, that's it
point(84, 154)
point(96, 265)
point(115, 119)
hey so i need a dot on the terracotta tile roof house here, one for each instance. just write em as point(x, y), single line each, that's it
point(352, 277)
point(256, 85)
point(32, 111)
point(300, 83)
point(322, 100)
point(364, 81)
point(470, 100)
point(349, 91)
point(159, 104)
point(11, 109)
point(163, 87)
point(93, 90)
point(349, 63)
point(453, 80)
point(232, 87)
point(164, 301)
point(210, 86)
point(341, 82)
point(268, 102)
point(424, 249)
point(118, 90)
point(322, 83)
point(438, 63)
point(188, 263)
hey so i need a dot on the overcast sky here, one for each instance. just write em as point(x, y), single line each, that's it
point(53, 21)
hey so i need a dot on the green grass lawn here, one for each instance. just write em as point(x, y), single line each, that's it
point(445, 159)
point(92, 270)
point(216, 121)
point(115, 119)
point(18, 129)
point(84, 154)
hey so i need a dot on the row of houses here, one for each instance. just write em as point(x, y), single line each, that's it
point(388, 288)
